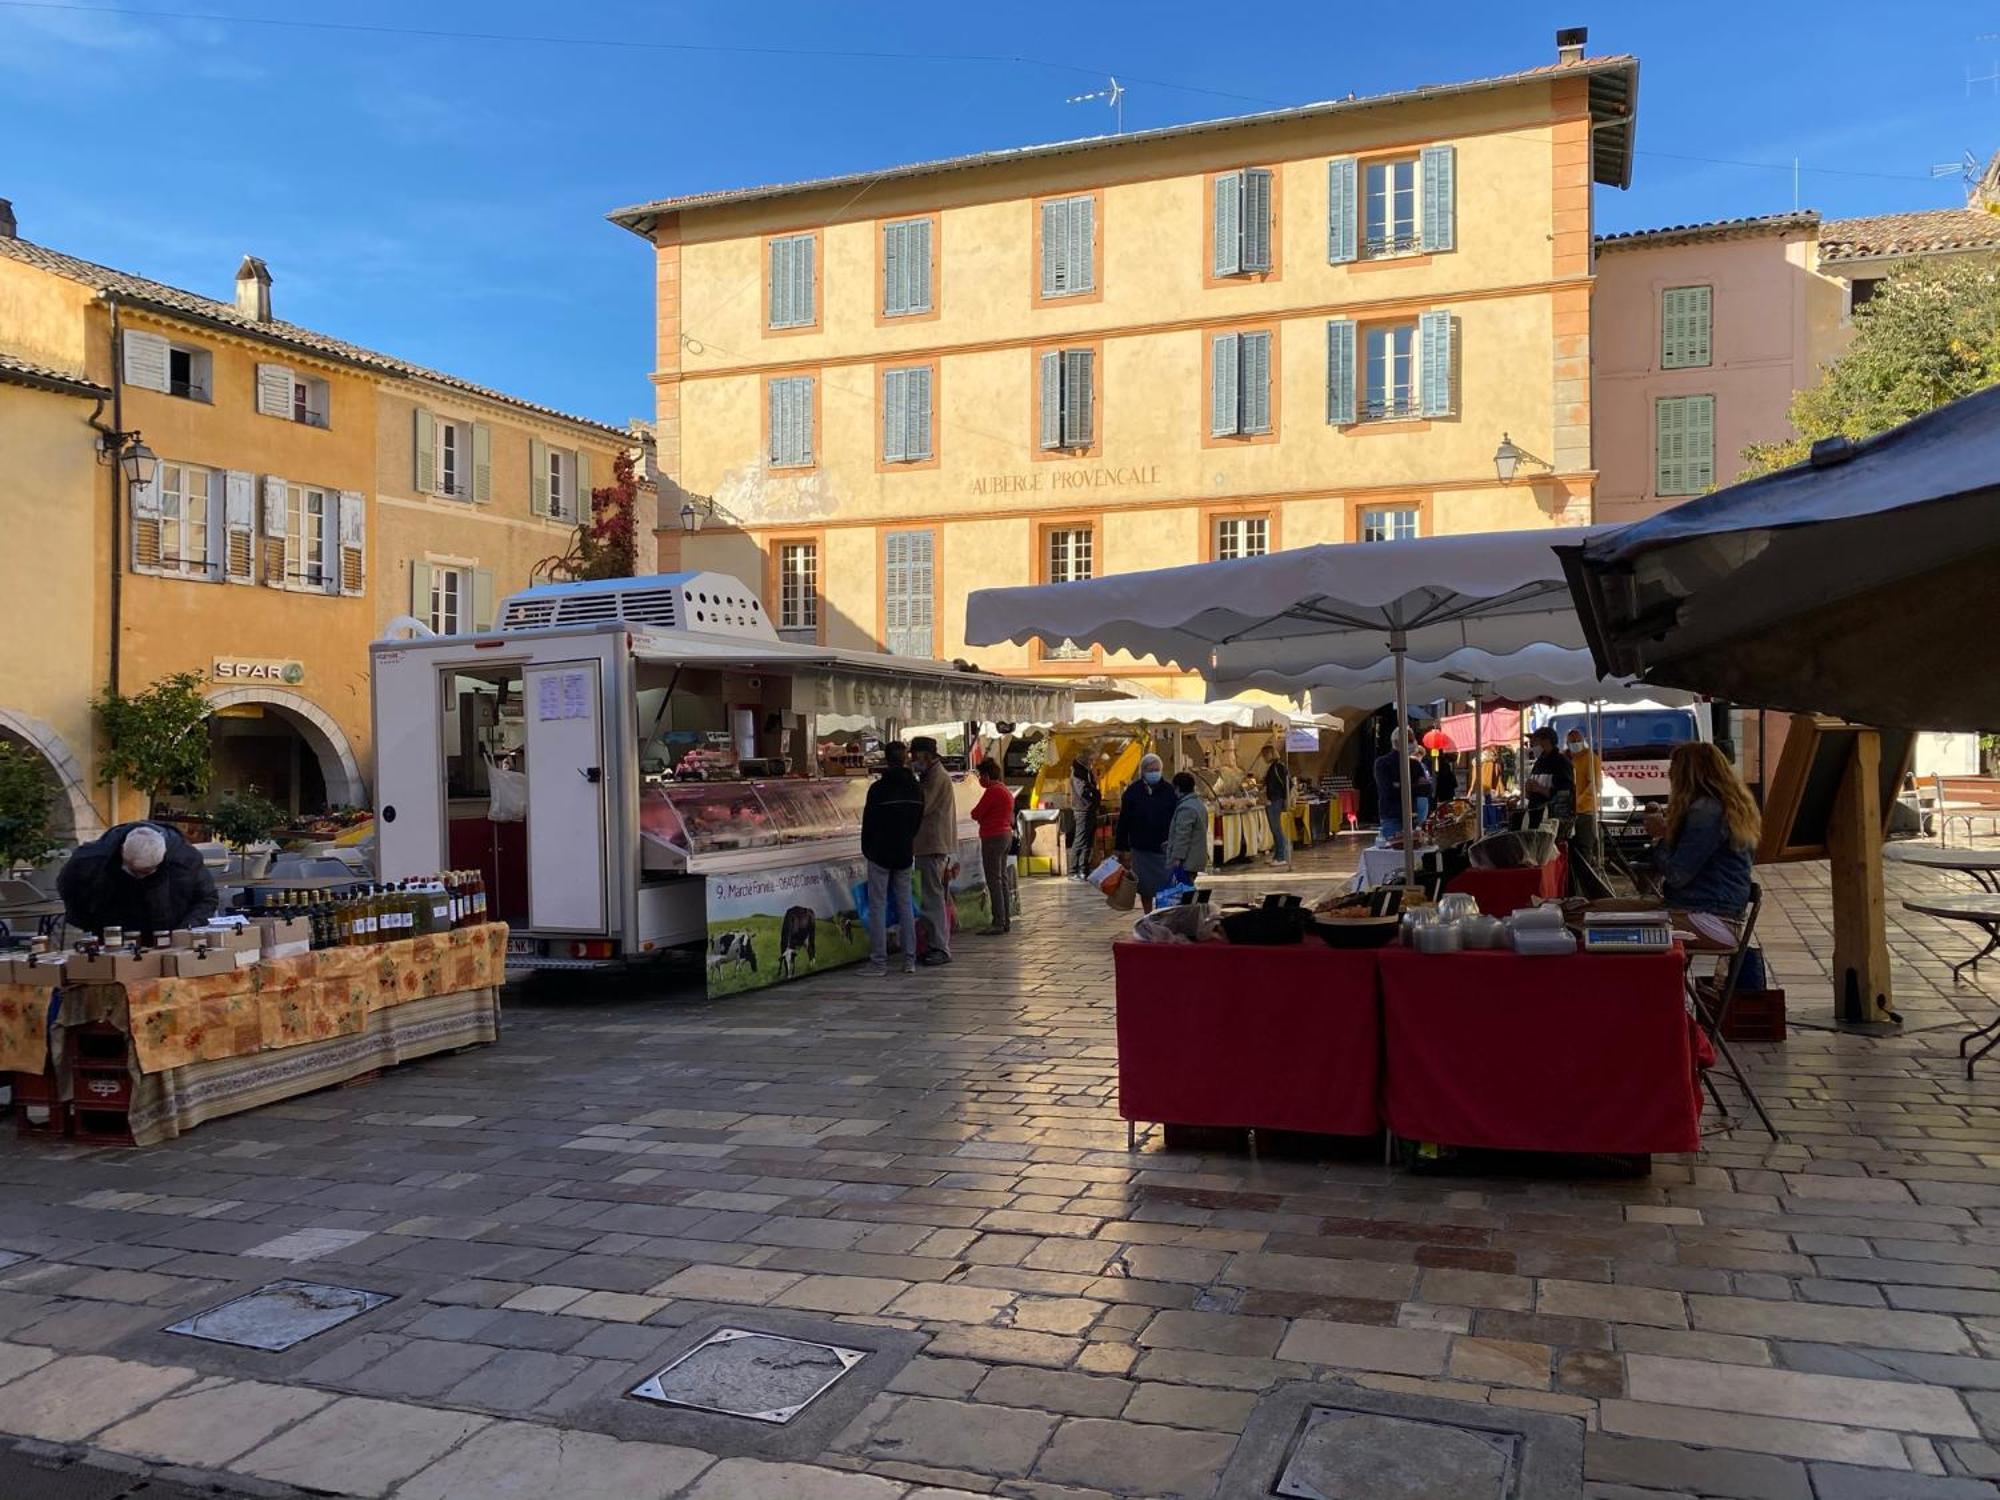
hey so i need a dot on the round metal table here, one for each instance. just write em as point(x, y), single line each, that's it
point(1982, 865)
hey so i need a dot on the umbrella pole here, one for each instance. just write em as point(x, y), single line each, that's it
point(1398, 645)
point(1478, 767)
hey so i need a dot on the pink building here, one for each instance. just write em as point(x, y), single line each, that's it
point(1700, 334)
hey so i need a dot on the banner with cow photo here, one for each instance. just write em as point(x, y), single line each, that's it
point(767, 926)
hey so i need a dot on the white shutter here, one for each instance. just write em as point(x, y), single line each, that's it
point(239, 526)
point(1343, 207)
point(274, 390)
point(1082, 242)
point(349, 575)
point(1340, 372)
point(1256, 219)
point(146, 509)
point(538, 476)
point(276, 528)
point(1051, 413)
point(146, 362)
point(1228, 223)
point(1434, 359)
point(1224, 403)
point(1437, 166)
point(895, 421)
point(906, 592)
point(1055, 248)
point(1079, 418)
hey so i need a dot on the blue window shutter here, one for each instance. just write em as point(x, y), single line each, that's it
point(917, 263)
point(917, 408)
point(1256, 375)
point(781, 283)
point(1227, 228)
point(1052, 433)
point(1434, 354)
point(1343, 203)
point(780, 414)
point(802, 413)
point(804, 290)
point(1078, 416)
point(1225, 404)
point(1438, 168)
point(895, 416)
point(1082, 243)
point(1055, 248)
point(895, 275)
point(1340, 372)
point(1257, 219)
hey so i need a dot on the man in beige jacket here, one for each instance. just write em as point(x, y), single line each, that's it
point(937, 842)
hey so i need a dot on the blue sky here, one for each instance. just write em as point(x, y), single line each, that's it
point(442, 196)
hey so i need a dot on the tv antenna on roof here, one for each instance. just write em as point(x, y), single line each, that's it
point(1115, 96)
point(1966, 168)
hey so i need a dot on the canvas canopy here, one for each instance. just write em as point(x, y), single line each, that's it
point(1842, 585)
point(1134, 713)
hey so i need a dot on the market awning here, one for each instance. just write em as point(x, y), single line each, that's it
point(1162, 713)
point(1537, 672)
point(1853, 584)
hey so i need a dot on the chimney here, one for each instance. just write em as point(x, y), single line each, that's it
point(253, 289)
point(1569, 43)
point(8, 228)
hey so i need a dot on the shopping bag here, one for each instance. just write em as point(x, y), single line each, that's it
point(1105, 871)
point(508, 793)
point(1121, 890)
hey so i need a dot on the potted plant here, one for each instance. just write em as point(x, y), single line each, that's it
point(245, 818)
point(27, 798)
point(157, 739)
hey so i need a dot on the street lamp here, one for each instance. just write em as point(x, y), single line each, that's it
point(1509, 456)
point(691, 519)
point(124, 449)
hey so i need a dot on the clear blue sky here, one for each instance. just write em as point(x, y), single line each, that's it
point(442, 196)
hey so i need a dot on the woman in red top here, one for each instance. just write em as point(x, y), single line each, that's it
point(994, 813)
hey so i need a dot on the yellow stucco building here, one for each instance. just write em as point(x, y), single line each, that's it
point(307, 493)
point(884, 390)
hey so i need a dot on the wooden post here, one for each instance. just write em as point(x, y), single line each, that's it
point(1854, 844)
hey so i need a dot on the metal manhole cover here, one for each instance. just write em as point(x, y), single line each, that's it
point(1345, 1455)
point(280, 1315)
point(739, 1372)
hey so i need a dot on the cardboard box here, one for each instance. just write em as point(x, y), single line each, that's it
point(47, 974)
point(114, 968)
point(184, 963)
point(284, 938)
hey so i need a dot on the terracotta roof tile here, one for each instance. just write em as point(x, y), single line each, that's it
point(1710, 229)
point(15, 370)
point(1932, 232)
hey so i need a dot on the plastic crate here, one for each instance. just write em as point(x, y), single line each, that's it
point(1756, 1016)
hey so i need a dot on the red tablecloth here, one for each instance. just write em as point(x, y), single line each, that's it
point(1500, 892)
point(1284, 1038)
point(1589, 1053)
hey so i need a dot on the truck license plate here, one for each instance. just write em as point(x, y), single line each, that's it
point(522, 947)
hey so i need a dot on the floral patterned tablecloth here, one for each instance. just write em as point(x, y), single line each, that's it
point(280, 1003)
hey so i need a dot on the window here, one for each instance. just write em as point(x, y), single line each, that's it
point(1398, 205)
point(184, 519)
point(906, 268)
point(188, 373)
point(562, 484)
point(451, 475)
point(283, 392)
point(1240, 385)
point(1390, 390)
point(1069, 553)
point(907, 580)
point(1242, 536)
point(305, 536)
point(154, 363)
point(453, 597)
point(1240, 225)
point(793, 292)
point(906, 416)
point(791, 442)
point(1861, 290)
point(450, 594)
point(798, 587)
point(309, 401)
point(1388, 525)
point(454, 458)
point(1406, 370)
point(1685, 319)
point(1068, 399)
point(1069, 246)
point(1684, 444)
point(558, 480)
point(1389, 211)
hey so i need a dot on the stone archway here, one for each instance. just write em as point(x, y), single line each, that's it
point(85, 822)
point(337, 765)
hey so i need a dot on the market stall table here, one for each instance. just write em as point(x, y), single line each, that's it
point(1240, 833)
point(1271, 1038)
point(1590, 1053)
point(1500, 893)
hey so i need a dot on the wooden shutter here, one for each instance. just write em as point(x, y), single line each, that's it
point(482, 462)
point(918, 406)
point(917, 264)
point(1082, 241)
point(792, 281)
point(482, 599)
point(420, 590)
point(1256, 219)
point(1340, 372)
point(1343, 207)
point(781, 283)
point(277, 525)
point(804, 273)
point(1670, 446)
point(538, 476)
point(1228, 223)
point(1055, 248)
point(1255, 414)
point(906, 558)
point(1225, 391)
point(583, 494)
point(895, 418)
point(778, 448)
point(239, 527)
point(1079, 414)
point(791, 422)
point(1684, 327)
point(350, 572)
point(274, 390)
point(1700, 443)
point(895, 270)
point(146, 545)
point(425, 447)
point(1051, 416)
point(1437, 167)
point(145, 363)
point(1434, 360)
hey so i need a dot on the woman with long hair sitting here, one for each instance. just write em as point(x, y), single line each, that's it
point(1707, 834)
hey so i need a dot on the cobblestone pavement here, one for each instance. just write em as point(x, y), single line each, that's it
point(934, 1164)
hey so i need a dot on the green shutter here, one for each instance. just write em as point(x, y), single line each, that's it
point(1343, 204)
point(482, 462)
point(425, 477)
point(581, 505)
point(1257, 219)
point(895, 416)
point(1437, 167)
point(1669, 446)
point(420, 591)
point(1055, 248)
point(1052, 410)
point(1434, 356)
point(1079, 417)
point(1256, 378)
point(1340, 372)
point(1228, 223)
point(538, 476)
point(482, 599)
point(1685, 321)
point(1225, 406)
point(1700, 444)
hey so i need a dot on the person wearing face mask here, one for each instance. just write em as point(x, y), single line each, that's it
point(1145, 816)
point(937, 841)
point(1584, 774)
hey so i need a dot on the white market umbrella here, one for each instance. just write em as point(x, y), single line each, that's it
point(1336, 604)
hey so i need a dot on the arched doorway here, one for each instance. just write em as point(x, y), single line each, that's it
point(286, 746)
point(76, 816)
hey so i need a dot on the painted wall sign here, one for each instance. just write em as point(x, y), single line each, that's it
point(1055, 481)
point(257, 669)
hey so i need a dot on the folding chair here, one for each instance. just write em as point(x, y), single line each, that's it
point(1712, 999)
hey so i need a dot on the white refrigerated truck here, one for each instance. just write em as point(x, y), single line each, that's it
point(664, 736)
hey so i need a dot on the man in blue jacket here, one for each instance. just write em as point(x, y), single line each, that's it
point(1145, 815)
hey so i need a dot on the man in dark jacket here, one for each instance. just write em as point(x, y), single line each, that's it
point(1145, 814)
point(889, 820)
point(142, 877)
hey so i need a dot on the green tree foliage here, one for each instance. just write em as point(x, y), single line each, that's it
point(246, 817)
point(157, 739)
point(1930, 334)
point(27, 798)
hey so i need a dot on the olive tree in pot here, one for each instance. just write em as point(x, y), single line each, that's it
point(156, 740)
point(245, 818)
point(27, 801)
